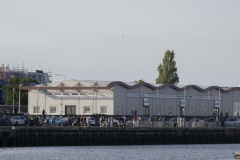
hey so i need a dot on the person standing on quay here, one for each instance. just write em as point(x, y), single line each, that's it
point(36, 120)
point(133, 122)
point(100, 121)
point(109, 121)
point(183, 121)
point(163, 120)
point(78, 120)
point(81, 121)
point(226, 114)
point(31, 120)
point(112, 121)
point(43, 113)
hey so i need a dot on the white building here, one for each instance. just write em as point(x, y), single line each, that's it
point(118, 98)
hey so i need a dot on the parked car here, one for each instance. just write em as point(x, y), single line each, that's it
point(192, 123)
point(208, 122)
point(232, 122)
point(92, 121)
point(172, 122)
point(57, 121)
point(120, 121)
point(73, 121)
point(18, 120)
point(6, 122)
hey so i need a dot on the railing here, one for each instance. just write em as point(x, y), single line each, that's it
point(177, 125)
point(155, 124)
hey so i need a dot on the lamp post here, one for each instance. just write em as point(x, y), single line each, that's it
point(37, 101)
point(19, 99)
point(13, 99)
point(61, 75)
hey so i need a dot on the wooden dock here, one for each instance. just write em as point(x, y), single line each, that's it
point(77, 136)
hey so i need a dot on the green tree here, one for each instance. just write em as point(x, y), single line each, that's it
point(168, 70)
point(13, 88)
point(139, 81)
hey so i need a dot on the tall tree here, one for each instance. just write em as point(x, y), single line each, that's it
point(168, 70)
point(12, 89)
point(139, 81)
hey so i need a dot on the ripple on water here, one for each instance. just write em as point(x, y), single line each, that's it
point(165, 152)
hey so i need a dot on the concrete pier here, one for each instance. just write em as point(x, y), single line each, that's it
point(77, 136)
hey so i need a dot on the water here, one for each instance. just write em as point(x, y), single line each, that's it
point(163, 152)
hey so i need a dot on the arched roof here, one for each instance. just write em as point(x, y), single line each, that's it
point(112, 84)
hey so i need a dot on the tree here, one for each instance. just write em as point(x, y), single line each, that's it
point(168, 70)
point(139, 81)
point(13, 88)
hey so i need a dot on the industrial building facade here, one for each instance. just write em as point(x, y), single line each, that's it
point(6, 73)
point(77, 97)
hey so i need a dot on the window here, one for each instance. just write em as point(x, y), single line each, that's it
point(87, 110)
point(36, 109)
point(182, 111)
point(53, 109)
point(194, 111)
point(146, 102)
point(104, 110)
point(182, 103)
point(119, 110)
point(236, 108)
point(158, 110)
point(170, 110)
point(204, 111)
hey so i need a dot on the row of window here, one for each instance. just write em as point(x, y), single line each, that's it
point(182, 110)
point(86, 110)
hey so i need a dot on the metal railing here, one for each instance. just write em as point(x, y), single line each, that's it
point(177, 125)
point(155, 124)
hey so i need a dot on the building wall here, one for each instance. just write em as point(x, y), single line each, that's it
point(121, 101)
point(45, 101)
point(161, 106)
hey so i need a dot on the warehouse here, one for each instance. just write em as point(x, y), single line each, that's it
point(84, 97)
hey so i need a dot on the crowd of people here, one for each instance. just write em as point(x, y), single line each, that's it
point(109, 121)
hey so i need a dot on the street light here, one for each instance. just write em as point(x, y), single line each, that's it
point(19, 99)
point(37, 101)
point(13, 99)
point(65, 80)
point(61, 75)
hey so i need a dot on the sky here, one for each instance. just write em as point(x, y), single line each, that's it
point(123, 40)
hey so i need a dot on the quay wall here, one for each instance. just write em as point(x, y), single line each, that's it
point(77, 136)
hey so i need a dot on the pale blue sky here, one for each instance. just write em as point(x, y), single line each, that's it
point(81, 39)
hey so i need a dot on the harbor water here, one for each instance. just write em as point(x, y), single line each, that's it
point(141, 152)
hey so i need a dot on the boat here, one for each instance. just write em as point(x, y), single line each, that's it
point(236, 155)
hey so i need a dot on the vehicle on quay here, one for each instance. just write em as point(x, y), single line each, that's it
point(144, 122)
point(119, 122)
point(193, 122)
point(57, 121)
point(209, 122)
point(72, 119)
point(5, 122)
point(172, 122)
point(232, 122)
point(18, 120)
point(90, 119)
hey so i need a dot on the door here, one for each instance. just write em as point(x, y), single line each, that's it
point(146, 111)
point(70, 110)
point(216, 110)
point(182, 111)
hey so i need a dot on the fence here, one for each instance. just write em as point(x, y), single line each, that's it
point(175, 124)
